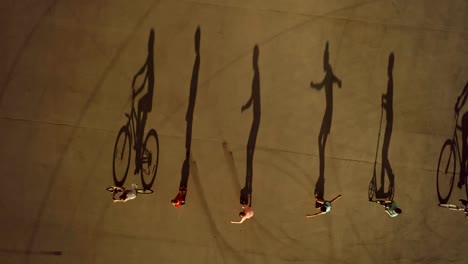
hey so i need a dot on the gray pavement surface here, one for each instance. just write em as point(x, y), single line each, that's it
point(66, 79)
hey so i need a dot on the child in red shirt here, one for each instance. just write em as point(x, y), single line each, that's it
point(180, 198)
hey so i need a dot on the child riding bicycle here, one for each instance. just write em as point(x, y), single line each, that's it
point(391, 207)
point(127, 194)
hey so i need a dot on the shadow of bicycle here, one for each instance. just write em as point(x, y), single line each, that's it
point(131, 134)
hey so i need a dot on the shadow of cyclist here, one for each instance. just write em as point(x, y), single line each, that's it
point(185, 171)
point(254, 101)
point(146, 101)
point(326, 83)
point(461, 100)
point(387, 104)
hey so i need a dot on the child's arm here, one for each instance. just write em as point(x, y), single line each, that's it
point(140, 72)
point(336, 198)
point(240, 222)
point(314, 215)
point(317, 86)
point(336, 80)
point(247, 105)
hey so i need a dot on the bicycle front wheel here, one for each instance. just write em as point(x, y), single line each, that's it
point(446, 171)
point(122, 153)
point(372, 188)
point(150, 159)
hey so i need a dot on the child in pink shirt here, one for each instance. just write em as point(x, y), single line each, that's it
point(246, 213)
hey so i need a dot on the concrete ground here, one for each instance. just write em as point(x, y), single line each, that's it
point(66, 79)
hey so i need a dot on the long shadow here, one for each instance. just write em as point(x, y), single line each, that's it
point(254, 101)
point(326, 83)
point(447, 165)
point(185, 172)
point(387, 105)
point(142, 87)
point(461, 100)
point(145, 104)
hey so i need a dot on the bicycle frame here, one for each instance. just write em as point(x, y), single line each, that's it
point(132, 123)
point(455, 142)
point(373, 182)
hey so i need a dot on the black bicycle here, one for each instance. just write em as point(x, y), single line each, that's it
point(447, 166)
point(148, 152)
point(372, 189)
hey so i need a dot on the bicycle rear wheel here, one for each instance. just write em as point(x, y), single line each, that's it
point(150, 159)
point(372, 188)
point(122, 153)
point(466, 181)
point(446, 171)
point(391, 192)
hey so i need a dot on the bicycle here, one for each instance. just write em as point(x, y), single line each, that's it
point(448, 149)
point(457, 208)
point(112, 189)
point(147, 163)
point(372, 190)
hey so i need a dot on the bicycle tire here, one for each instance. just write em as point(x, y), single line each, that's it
point(371, 189)
point(150, 159)
point(392, 192)
point(466, 182)
point(145, 191)
point(119, 177)
point(444, 174)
